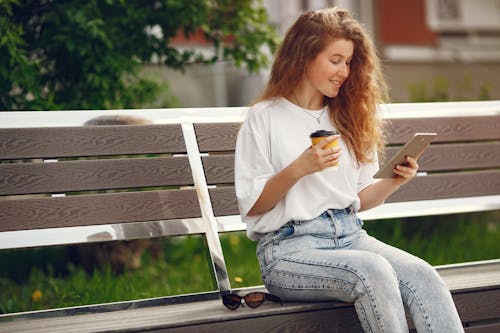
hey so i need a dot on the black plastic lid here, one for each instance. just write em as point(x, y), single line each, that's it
point(322, 133)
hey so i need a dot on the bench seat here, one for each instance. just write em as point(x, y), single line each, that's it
point(475, 288)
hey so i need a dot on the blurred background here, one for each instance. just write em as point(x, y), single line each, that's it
point(203, 53)
point(432, 50)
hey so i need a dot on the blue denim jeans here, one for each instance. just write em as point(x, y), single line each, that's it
point(332, 258)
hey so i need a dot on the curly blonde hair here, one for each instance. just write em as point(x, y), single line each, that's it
point(354, 110)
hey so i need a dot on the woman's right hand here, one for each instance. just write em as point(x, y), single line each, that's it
point(318, 157)
point(313, 159)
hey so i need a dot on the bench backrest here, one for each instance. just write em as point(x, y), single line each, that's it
point(463, 161)
point(84, 166)
point(173, 175)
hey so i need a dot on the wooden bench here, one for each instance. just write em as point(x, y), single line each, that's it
point(186, 187)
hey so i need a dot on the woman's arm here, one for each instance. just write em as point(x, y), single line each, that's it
point(313, 159)
point(376, 193)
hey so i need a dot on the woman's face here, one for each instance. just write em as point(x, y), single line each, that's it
point(328, 71)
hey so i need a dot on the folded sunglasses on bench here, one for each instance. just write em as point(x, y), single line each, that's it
point(253, 299)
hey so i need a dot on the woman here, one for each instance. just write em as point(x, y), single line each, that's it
point(312, 247)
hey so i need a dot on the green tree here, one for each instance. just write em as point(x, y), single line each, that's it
point(87, 54)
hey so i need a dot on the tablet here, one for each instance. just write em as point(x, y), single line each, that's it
point(414, 148)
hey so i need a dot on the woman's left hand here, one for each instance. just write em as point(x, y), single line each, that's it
point(406, 172)
point(376, 193)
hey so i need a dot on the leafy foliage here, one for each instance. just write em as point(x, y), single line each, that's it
point(86, 55)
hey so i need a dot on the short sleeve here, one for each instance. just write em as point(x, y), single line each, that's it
point(366, 172)
point(252, 162)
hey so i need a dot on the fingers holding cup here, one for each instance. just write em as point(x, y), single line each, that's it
point(328, 141)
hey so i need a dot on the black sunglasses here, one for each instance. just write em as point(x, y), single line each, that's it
point(253, 299)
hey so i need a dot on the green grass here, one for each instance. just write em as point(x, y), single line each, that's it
point(52, 281)
point(241, 260)
point(183, 269)
point(443, 239)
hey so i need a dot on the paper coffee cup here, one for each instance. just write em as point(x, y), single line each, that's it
point(318, 136)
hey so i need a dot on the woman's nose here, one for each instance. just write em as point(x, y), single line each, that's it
point(344, 70)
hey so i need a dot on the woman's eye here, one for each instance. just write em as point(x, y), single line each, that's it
point(339, 61)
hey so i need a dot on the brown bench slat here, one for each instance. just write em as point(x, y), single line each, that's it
point(219, 169)
point(343, 319)
point(16, 143)
point(24, 178)
point(458, 156)
point(217, 137)
point(478, 305)
point(491, 328)
point(449, 185)
point(83, 210)
point(448, 129)
point(437, 186)
point(224, 201)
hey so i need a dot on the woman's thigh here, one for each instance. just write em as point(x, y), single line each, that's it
point(327, 274)
point(409, 268)
point(418, 280)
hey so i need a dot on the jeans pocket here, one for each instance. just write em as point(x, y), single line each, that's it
point(266, 257)
point(285, 232)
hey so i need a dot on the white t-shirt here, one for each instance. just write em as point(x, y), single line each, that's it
point(274, 133)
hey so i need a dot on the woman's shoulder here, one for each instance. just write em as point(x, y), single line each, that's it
point(259, 115)
point(262, 107)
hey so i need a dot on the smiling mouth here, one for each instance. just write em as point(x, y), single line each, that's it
point(337, 83)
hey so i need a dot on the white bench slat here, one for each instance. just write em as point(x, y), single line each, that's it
point(399, 209)
point(100, 233)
